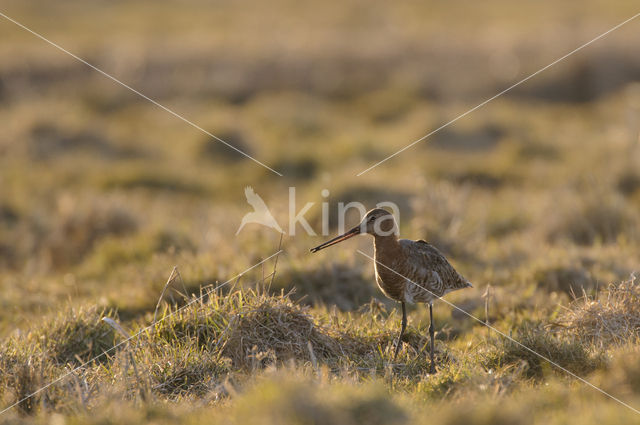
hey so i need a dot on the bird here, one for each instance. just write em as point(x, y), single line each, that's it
point(260, 214)
point(406, 271)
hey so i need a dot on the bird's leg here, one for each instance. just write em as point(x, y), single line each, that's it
point(432, 335)
point(404, 326)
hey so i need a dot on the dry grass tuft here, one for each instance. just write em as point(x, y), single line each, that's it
point(276, 326)
point(30, 361)
point(181, 371)
point(613, 317)
point(254, 330)
point(72, 337)
point(622, 375)
point(20, 377)
point(567, 352)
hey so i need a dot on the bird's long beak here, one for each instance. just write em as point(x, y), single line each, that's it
point(351, 233)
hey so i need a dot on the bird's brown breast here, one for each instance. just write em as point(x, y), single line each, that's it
point(390, 283)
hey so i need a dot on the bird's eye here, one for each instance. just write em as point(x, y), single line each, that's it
point(372, 218)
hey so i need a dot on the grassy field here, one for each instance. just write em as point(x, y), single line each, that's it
point(535, 198)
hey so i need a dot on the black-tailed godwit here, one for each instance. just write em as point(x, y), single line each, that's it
point(406, 271)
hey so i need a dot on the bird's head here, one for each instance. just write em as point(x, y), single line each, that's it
point(377, 222)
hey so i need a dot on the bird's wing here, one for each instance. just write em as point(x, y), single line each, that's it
point(434, 264)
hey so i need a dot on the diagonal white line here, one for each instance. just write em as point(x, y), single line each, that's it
point(135, 335)
point(142, 95)
point(506, 336)
point(499, 94)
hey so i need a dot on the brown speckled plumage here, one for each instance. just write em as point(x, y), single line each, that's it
point(406, 271)
point(429, 274)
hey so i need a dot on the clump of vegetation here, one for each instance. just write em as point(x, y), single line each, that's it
point(70, 339)
point(629, 182)
point(181, 369)
point(610, 317)
point(213, 150)
point(300, 169)
point(533, 339)
point(77, 229)
point(596, 220)
point(254, 330)
point(622, 374)
point(73, 336)
point(570, 280)
point(280, 328)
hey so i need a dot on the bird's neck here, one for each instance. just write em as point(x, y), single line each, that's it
point(385, 245)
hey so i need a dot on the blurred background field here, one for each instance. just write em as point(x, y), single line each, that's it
point(537, 194)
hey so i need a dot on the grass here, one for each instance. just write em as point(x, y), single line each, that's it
point(567, 353)
point(220, 347)
point(613, 317)
point(534, 196)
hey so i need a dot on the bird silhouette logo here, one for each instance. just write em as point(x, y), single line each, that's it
point(260, 214)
